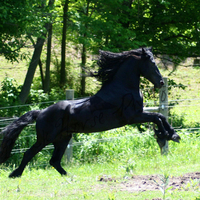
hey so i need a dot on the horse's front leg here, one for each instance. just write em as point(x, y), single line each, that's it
point(149, 117)
point(164, 132)
point(172, 134)
point(161, 134)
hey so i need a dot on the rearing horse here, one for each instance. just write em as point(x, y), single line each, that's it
point(116, 104)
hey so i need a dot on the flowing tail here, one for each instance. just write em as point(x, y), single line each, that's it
point(12, 131)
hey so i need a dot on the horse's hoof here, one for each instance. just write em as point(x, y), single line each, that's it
point(14, 175)
point(64, 173)
point(176, 138)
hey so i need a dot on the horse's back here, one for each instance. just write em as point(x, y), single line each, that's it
point(50, 120)
point(92, 115)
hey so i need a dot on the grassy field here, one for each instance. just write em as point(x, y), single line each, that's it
point(16, 70)
point(83, 180)
point(188, 100)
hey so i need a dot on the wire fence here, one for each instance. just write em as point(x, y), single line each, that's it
point(6, 121)
point(193, 102)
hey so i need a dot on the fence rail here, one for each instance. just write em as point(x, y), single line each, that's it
point(158, 108)
point(162, 108)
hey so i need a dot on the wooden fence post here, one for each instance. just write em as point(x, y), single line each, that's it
point(69, 150)
point(70, 94)
point(163, 108)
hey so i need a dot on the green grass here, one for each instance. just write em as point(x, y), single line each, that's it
point(16, 70)
point(83, 182)
point(188, 110)
point(145, 159)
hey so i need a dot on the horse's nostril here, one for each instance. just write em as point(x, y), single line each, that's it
point(162, 82)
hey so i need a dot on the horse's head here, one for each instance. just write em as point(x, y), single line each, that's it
point(149, 68)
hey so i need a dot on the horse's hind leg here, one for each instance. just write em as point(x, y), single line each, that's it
point(28, 155)
point(60, 146)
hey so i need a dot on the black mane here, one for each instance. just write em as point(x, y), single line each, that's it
point(109, 63)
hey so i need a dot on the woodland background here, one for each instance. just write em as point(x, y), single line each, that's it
point(46, 46)
point(63, 37)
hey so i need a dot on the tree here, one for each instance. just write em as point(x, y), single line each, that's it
point(171, 27)
point(82, 16)
point(46, 85)
point(118, 33)
point(63, 46)
point(85, 12)
point(97, 25)
point(15, 21)
point(34, 61)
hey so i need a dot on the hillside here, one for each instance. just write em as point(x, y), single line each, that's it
point(188, 100)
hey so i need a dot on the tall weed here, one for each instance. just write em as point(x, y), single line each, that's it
point(117, 144)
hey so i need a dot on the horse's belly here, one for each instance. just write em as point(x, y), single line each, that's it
point(93, 122)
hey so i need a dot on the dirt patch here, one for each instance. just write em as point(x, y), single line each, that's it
point(155, 182)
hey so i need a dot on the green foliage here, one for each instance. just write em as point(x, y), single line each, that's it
point(17, 14)
point(9, 97)
point(9, 91)
point(172, 85)
point(164, 184)
point(171, 22)
point(171, 27)
point(112, 145)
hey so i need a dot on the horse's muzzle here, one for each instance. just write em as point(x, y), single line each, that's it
point(162, 83)
point(159, 84)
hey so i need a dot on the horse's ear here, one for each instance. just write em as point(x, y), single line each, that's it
point(143, 51)
point(145, 54)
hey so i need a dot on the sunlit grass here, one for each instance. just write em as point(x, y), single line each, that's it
point(188, 107)
point(119, 158)
point(83, 182)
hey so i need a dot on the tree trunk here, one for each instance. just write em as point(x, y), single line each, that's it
point(40, 64)
point(84, 53)
point(83, 62)
point(33, 64)
point(48, 61)
point(41, 73)
point(128, 4)
point(63, 47)
point(31, 70)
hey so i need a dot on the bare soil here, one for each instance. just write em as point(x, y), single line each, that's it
point(156, 182)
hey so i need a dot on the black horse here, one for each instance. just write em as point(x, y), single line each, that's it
point(118, 102)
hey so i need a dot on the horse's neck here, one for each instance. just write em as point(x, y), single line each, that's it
point(125, 81)
point(128, 75)
point(114, 92)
